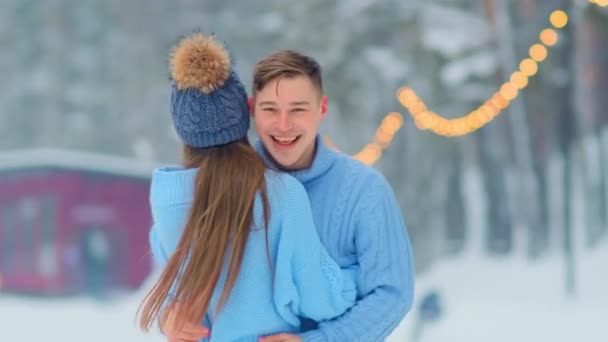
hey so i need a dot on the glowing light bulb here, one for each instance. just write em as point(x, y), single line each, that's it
point(549, 37)
point(528, 67)
point(558, 19)
point(538, 52)
point(519, 80)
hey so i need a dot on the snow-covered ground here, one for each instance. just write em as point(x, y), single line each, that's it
point(513, 300)
point(482, 300)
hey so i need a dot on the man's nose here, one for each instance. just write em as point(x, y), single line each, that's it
point(284, 122)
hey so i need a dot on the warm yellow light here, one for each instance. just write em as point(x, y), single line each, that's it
point(422, 120)
point(396, 117)
point(475, 121)
point(549, 36)
point(383, 138)
point(499, 101)
point(370, 154)
point(528, 67)
point(392, 122)
point(519, 80)
point(461, 127)
point(455, 127)
point(405, 92)
point(418, 108)
point(435, 119)
point(508, 91)
point(559, 19)
point(538, 52)
point(384, 129)
point(363, 157)
point(485, 113)
point(601, 3)
point(392, 129)
point(330, 144)
point(442, 127)
point(375, 152)
point(469, 122)
point(407, 97)
point(492, 108)
point(421, 124)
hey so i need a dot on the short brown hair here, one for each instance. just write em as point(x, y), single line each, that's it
point(288, 64)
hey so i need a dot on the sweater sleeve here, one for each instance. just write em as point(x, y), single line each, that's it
point(386, 279)
point(159, 255)
point(324, 289)
point(320, 289)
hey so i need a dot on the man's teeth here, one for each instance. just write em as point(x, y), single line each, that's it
point(284, 140)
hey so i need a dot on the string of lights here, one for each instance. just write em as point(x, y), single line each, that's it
point(425, 119)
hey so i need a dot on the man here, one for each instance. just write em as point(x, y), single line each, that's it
point(354, 208)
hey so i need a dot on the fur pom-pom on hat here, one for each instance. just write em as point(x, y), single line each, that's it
point(200, 62)
point(208, 100)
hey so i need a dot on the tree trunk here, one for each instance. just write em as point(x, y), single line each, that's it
point(492, 158)
point(591, 79)
point(566, 126)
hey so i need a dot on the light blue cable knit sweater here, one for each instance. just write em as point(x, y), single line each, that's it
point(307, 282)
point(360, 223)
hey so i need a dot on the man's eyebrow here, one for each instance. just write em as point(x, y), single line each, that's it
point(299, 103)
point(267, 103)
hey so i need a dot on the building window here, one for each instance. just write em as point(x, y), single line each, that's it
point(9, 232)
point(28, 213)
point(48, 219)
point(47, 256)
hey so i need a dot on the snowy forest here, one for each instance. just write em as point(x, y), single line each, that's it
point(92, 76)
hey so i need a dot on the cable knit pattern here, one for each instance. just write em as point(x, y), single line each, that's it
point(211, 119)
point(329, 270)
point(360, 223)
point(307, 282)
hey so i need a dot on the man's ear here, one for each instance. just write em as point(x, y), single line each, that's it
point(324, 105)
point(251, 104)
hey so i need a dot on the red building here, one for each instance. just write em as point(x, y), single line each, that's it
point(72, 222)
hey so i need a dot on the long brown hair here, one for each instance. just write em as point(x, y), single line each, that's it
point(221, 216)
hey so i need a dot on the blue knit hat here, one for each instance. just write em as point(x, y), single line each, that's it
point(208, 100)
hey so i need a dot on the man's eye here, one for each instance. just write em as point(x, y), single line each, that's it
point(269, 109)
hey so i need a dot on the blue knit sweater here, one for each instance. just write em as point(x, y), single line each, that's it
point(360, 223)
point(307, 282)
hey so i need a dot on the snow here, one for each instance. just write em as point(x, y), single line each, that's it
point(482, 64)
point(514, 300)
point(71, 159)
point(391, 68)
point(476, 207)
point(449, 31)
point(482, 299)
point(73, 319)
point(271, 22)
point(41, 80)
point(79, 122)
point(590, 150)
point(350, 9)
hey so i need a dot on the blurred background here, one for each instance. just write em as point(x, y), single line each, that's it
point(509, 223)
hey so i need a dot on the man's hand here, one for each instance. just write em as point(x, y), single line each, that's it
point(281, 338)
point(189, 332)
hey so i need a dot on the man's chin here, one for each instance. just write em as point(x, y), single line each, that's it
point(285, 164)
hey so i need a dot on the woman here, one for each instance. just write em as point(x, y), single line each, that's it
point(244, 257)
